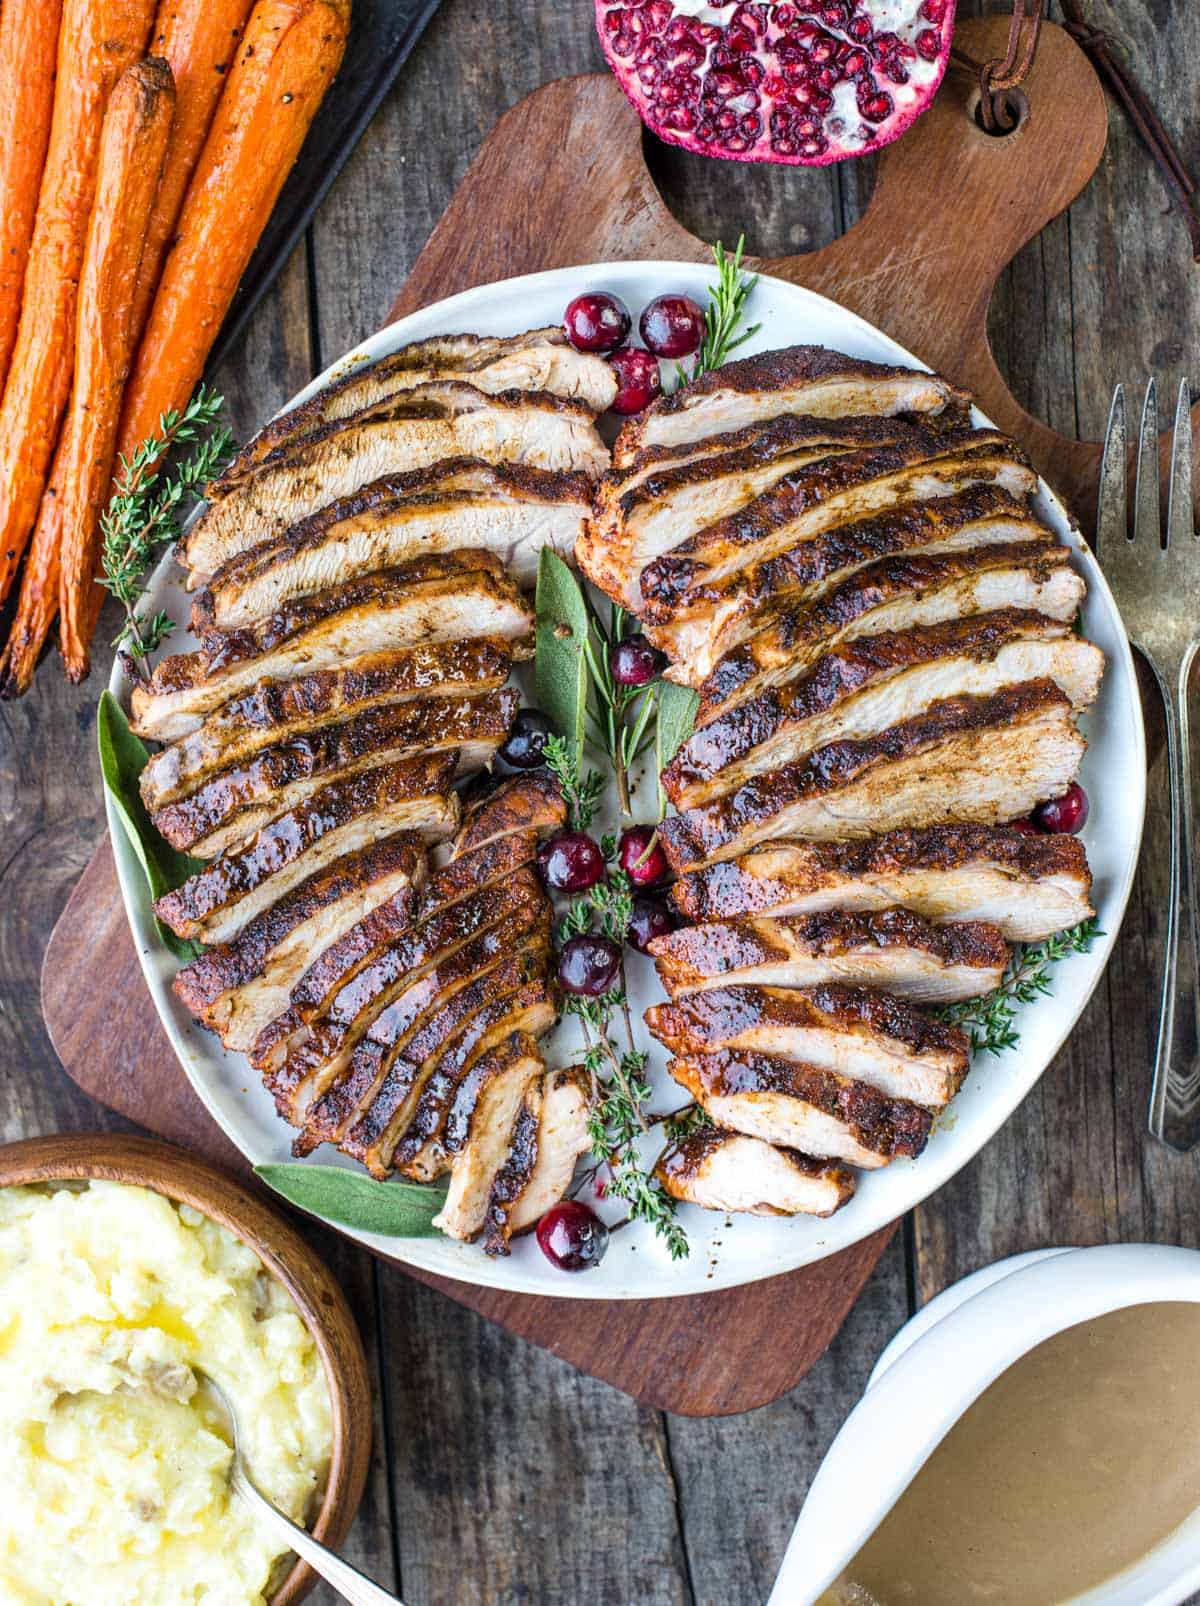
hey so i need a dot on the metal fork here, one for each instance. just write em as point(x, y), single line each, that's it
point(1157, 587)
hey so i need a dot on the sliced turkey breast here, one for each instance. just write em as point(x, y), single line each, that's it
point(1027, 886)
point(373, 961)
point(540, 359)
point(896, 594)
point(796, 379)
point(868, 684)
point(230, 805)
point(549, 1135)
point(805, 1108)
point(423, 1152)
point(320, 1054)
point(406, 1110)
point(866, 1036)
point(529, 802)
point(447, 597)
point(480, 1127)
point(894, 949)
point(509, 509)
point(388, 1003)
point(849, 488)
point(399, 1051)
point(219, 901)
point(720, 1170)
point(412, 430)
point(237, 988)
point(274, 710)
point(639, 517)
point(968, 759)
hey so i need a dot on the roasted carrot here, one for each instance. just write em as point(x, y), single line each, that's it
point(198, 39)
point(289, 54)
point(63, 558)
point(28, 48)
point(98, 39)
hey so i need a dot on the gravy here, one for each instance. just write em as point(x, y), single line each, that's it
point(1071, 1467)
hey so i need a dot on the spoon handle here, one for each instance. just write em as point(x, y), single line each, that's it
point(347, 1580)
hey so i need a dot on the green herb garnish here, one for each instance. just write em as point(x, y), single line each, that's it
point(143, 514)
point(123, 757)
point(723, 315)
point(392, 1209)
point(989, 1020)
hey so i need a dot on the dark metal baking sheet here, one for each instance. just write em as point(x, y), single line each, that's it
point(382, 35)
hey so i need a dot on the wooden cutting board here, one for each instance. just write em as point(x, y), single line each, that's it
point(951, 207)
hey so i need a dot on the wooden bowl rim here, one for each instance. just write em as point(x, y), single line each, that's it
point(187, 1179)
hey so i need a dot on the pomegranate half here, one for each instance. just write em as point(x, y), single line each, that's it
point(803, 82)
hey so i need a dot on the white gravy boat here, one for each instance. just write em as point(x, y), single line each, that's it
point(939, 1364)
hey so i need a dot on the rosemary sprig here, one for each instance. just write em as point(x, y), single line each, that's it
point(989, 1020)
point(143, 514)
point(724, 313)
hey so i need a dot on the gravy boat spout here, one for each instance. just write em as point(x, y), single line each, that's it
point(938, 1365)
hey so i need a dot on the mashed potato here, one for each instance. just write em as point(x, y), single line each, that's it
point(112, 1466)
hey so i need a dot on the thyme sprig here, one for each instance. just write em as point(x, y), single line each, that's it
point(990, 1020)
point(620, 1090)
point(724, 314)
point(144, 511)
point(581, 792)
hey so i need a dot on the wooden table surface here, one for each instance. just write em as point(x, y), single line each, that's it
point(499, 1474)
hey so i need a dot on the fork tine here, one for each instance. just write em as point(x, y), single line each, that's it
point(1111, 513)
point(1147, 524)
point(1179, 512)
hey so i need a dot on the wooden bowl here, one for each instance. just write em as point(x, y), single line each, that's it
point(182, 1177)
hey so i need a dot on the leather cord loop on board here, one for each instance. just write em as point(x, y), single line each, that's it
point(1004, 73)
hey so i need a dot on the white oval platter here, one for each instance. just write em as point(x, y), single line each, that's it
point(725, 1251)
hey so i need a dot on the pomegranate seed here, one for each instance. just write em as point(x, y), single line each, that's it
point(588, 965)
point(638, 378)
point(658, 15)
point(570, 862)
point(875, 107)
point(641, 857)
point(855, 62)
point(650, 919)
point(860, 28)
point(596, 321)
point(572, 1237)
point(933, 10)
point(525, 748)
point(929, 44)
point(1064, 815)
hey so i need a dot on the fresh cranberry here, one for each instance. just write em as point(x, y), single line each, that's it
point(672, 326)
point(588, 965)
point(634, 661)
point(650, 919)
point(645, 865)
point(1024, 827)
point(1065, 815)
point(638, 379)
point(525, 748)
point(597, 322)
point(572, 1237)
point(570, 862)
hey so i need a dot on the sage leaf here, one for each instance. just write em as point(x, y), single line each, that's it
point(561, 661)
point(677, 707)
point(123, 757)
point(392, 1209)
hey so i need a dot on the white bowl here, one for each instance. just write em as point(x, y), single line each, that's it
point(939, 1364)
point(725, 1251)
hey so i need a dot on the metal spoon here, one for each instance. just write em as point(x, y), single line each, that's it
point(347, 1580)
